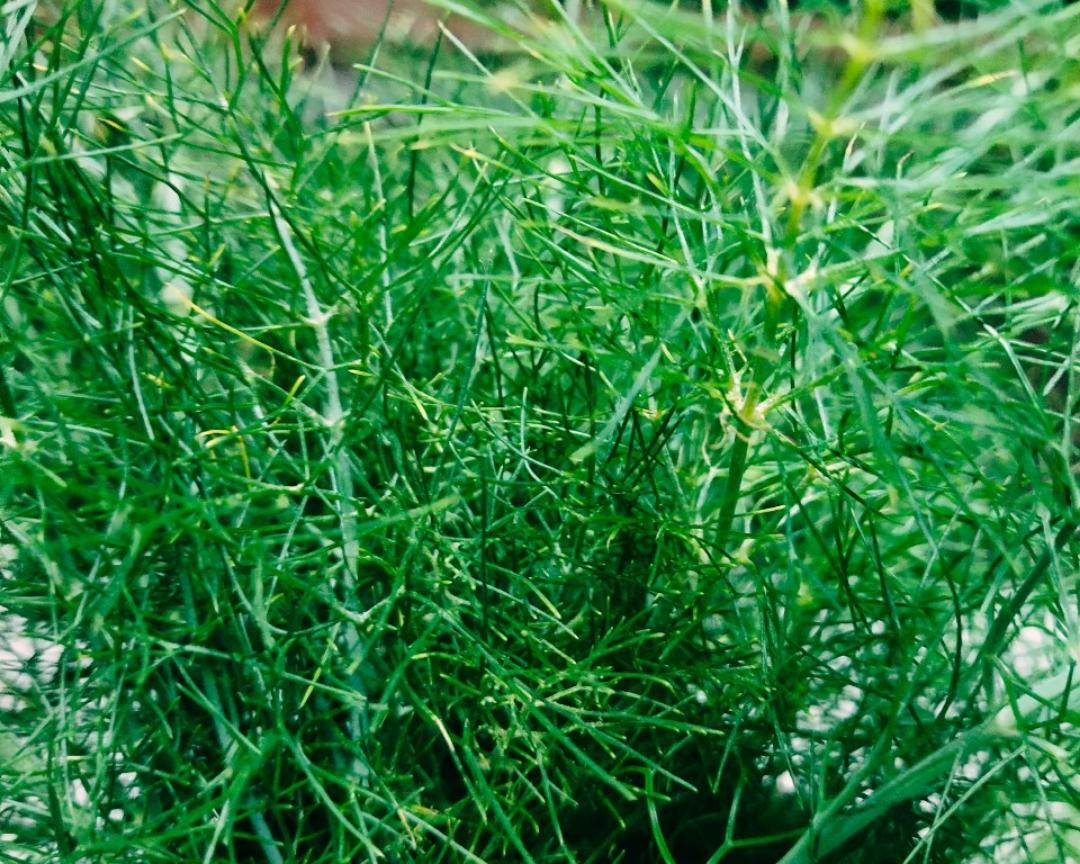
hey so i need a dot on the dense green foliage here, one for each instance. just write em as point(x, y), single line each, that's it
point(653, 444)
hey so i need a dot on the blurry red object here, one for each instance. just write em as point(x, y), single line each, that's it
point(348, 26)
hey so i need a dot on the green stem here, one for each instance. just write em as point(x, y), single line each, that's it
point(827, 834)
point(736, 470)
point(744, 428)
